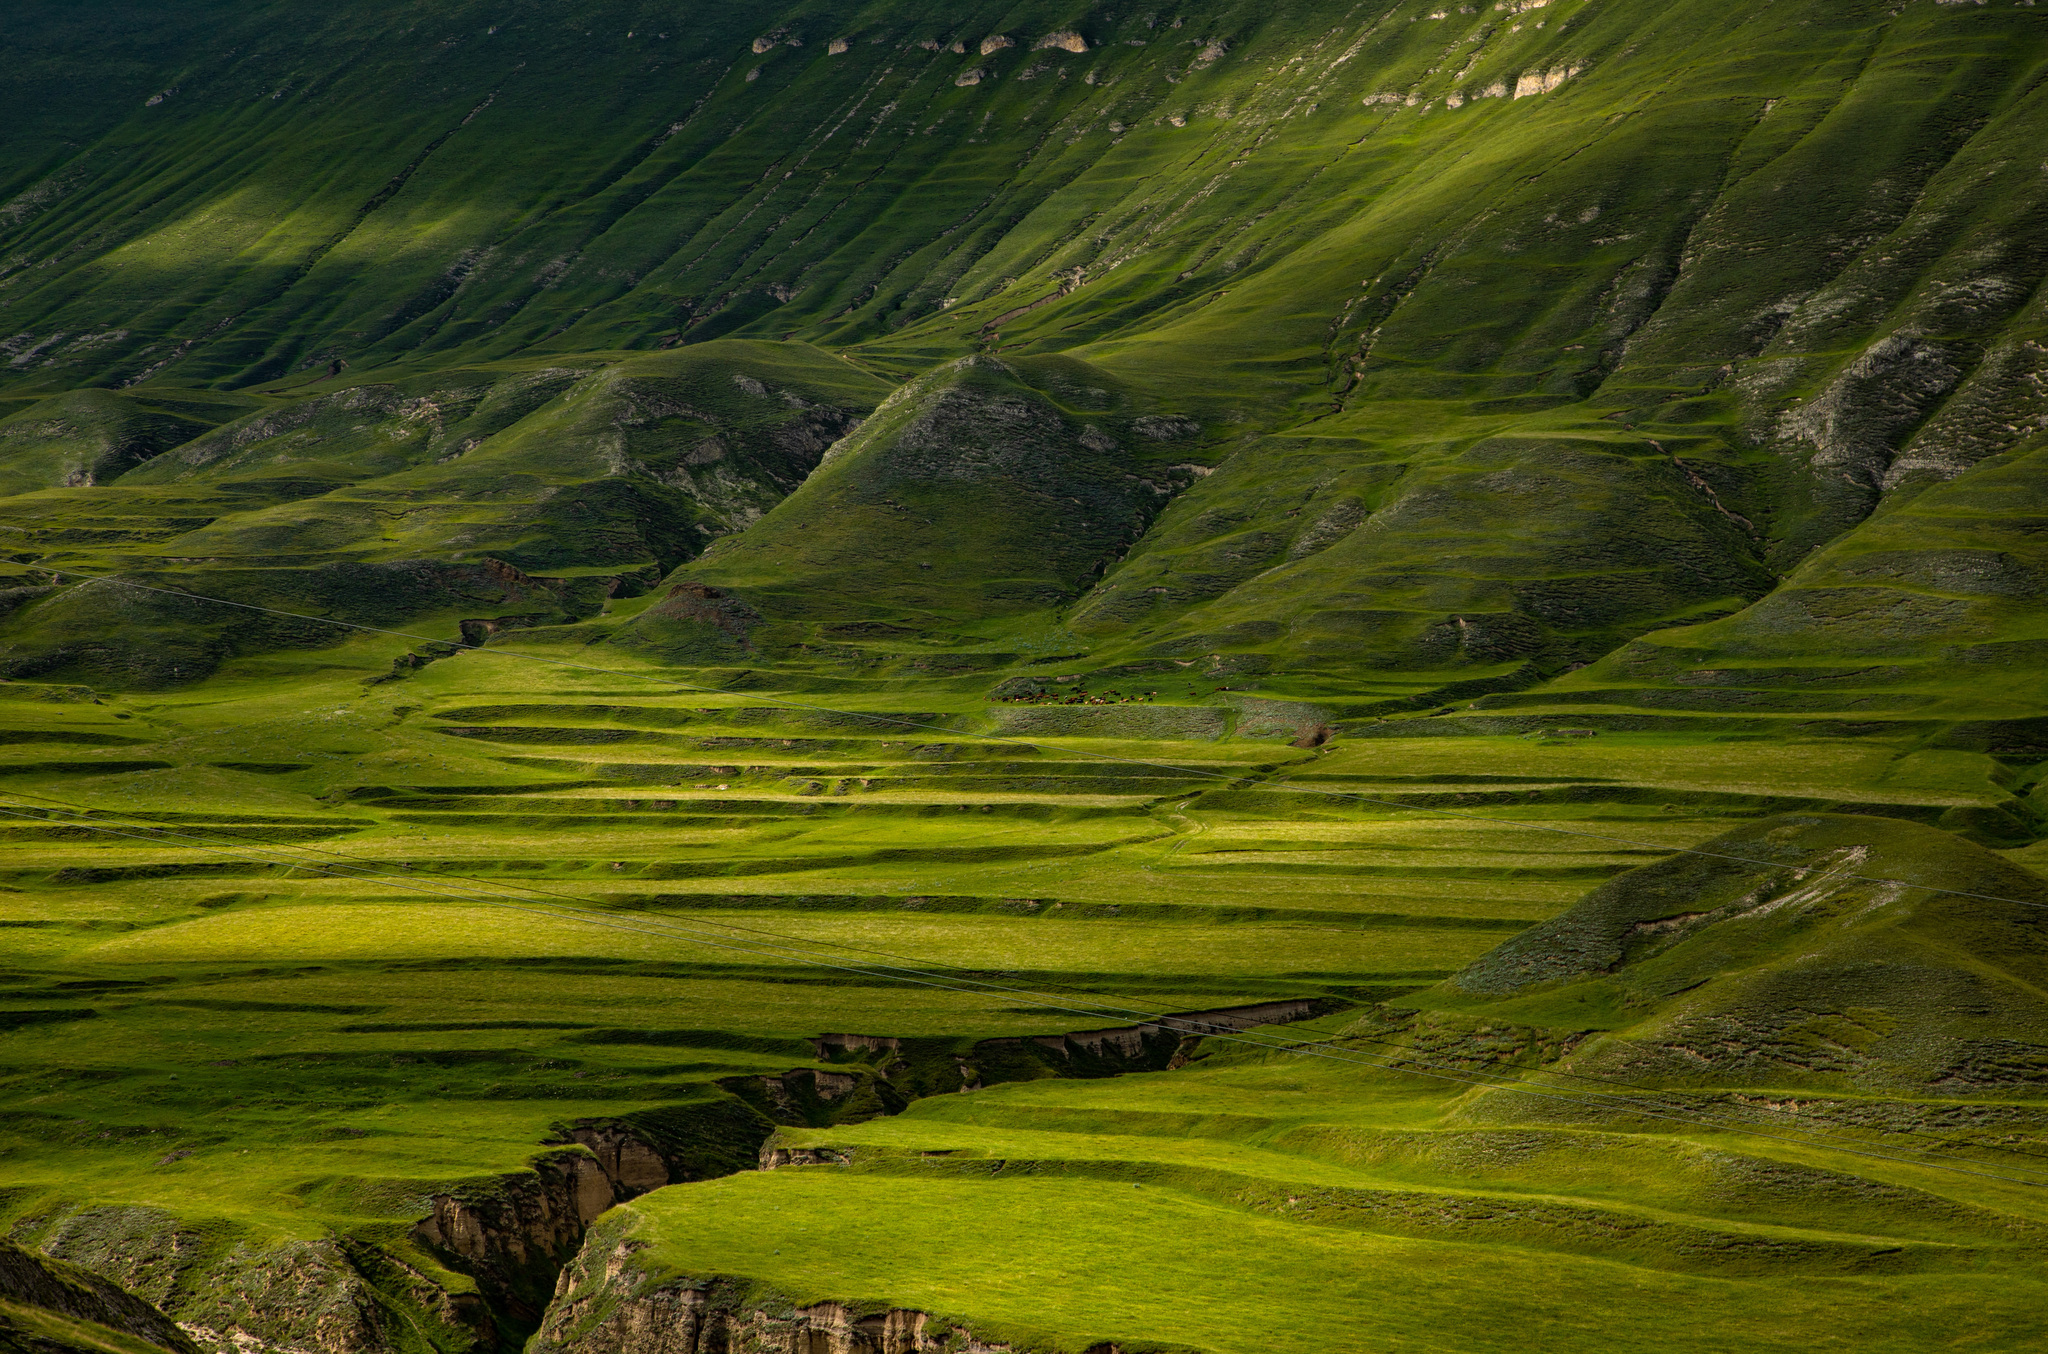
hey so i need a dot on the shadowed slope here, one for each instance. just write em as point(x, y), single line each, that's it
point(1799, 970)
point(477, 500)
point(1492, 552)
point(1932, 608)
point(50, 1307)
point(1789, 253)
point(982, 490)
point(88, 437)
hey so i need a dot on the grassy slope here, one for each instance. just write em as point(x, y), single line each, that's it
point(1302, 254)
point(1011, 1208)
point(329, 1052)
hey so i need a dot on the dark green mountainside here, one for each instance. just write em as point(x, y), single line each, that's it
point(1442, 346)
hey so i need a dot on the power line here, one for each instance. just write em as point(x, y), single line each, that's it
point(1188, 772)
point(1410, 1064)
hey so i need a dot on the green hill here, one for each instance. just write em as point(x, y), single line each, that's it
point(1670, 1076)
point(1804, 951)
point(1529, 275)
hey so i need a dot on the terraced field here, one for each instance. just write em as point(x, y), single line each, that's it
point(337, 947)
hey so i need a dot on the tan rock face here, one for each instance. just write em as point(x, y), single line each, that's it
point(996, 43)
point(828, 1044)
point(629, 1166)
point(762, 44)
point(773, 1157)
point(836, 46)
point(784, 1091)
point(1542, 82)
point(530, 1226)
point(631, 1317)
point(1065, 40)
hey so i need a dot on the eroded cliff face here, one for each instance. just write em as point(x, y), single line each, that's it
point(233, 1293)
point(883, 1074)
point(514, 1233)
point(533, 1243)
point(610, 1300)
point(226, 1292)
point(630, 1163)
point(608, 1303)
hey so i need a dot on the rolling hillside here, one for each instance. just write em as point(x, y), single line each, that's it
point(1049, 677)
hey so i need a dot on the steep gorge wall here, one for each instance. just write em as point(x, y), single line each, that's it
point(475, 1274)
point(608, 1305)
point(514, 1235)
point(605, 1302)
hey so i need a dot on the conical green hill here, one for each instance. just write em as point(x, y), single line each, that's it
point(1808, 950)
point(986, 488)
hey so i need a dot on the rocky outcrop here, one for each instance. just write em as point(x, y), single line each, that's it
point(817, 1097)
point(513, 1234)
point(1228, 1020)
point(631, 1164)
point(608, 1304)
point(772, 1157)
point(829, 1044)
point(885, 1074)
point(1173, 1035)
point(685, 1321)
point(237, 1294)
point(54, 1286)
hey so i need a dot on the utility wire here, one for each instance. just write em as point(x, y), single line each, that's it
point(1188, 772)
point(1409, 1064)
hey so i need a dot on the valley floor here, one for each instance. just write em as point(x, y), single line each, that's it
point(299, 962)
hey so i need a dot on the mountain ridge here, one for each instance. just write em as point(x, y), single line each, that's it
point(1571, 306)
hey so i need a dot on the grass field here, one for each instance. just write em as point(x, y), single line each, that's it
point(341, 952)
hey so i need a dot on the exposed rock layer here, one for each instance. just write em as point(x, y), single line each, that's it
point(54, 1286)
